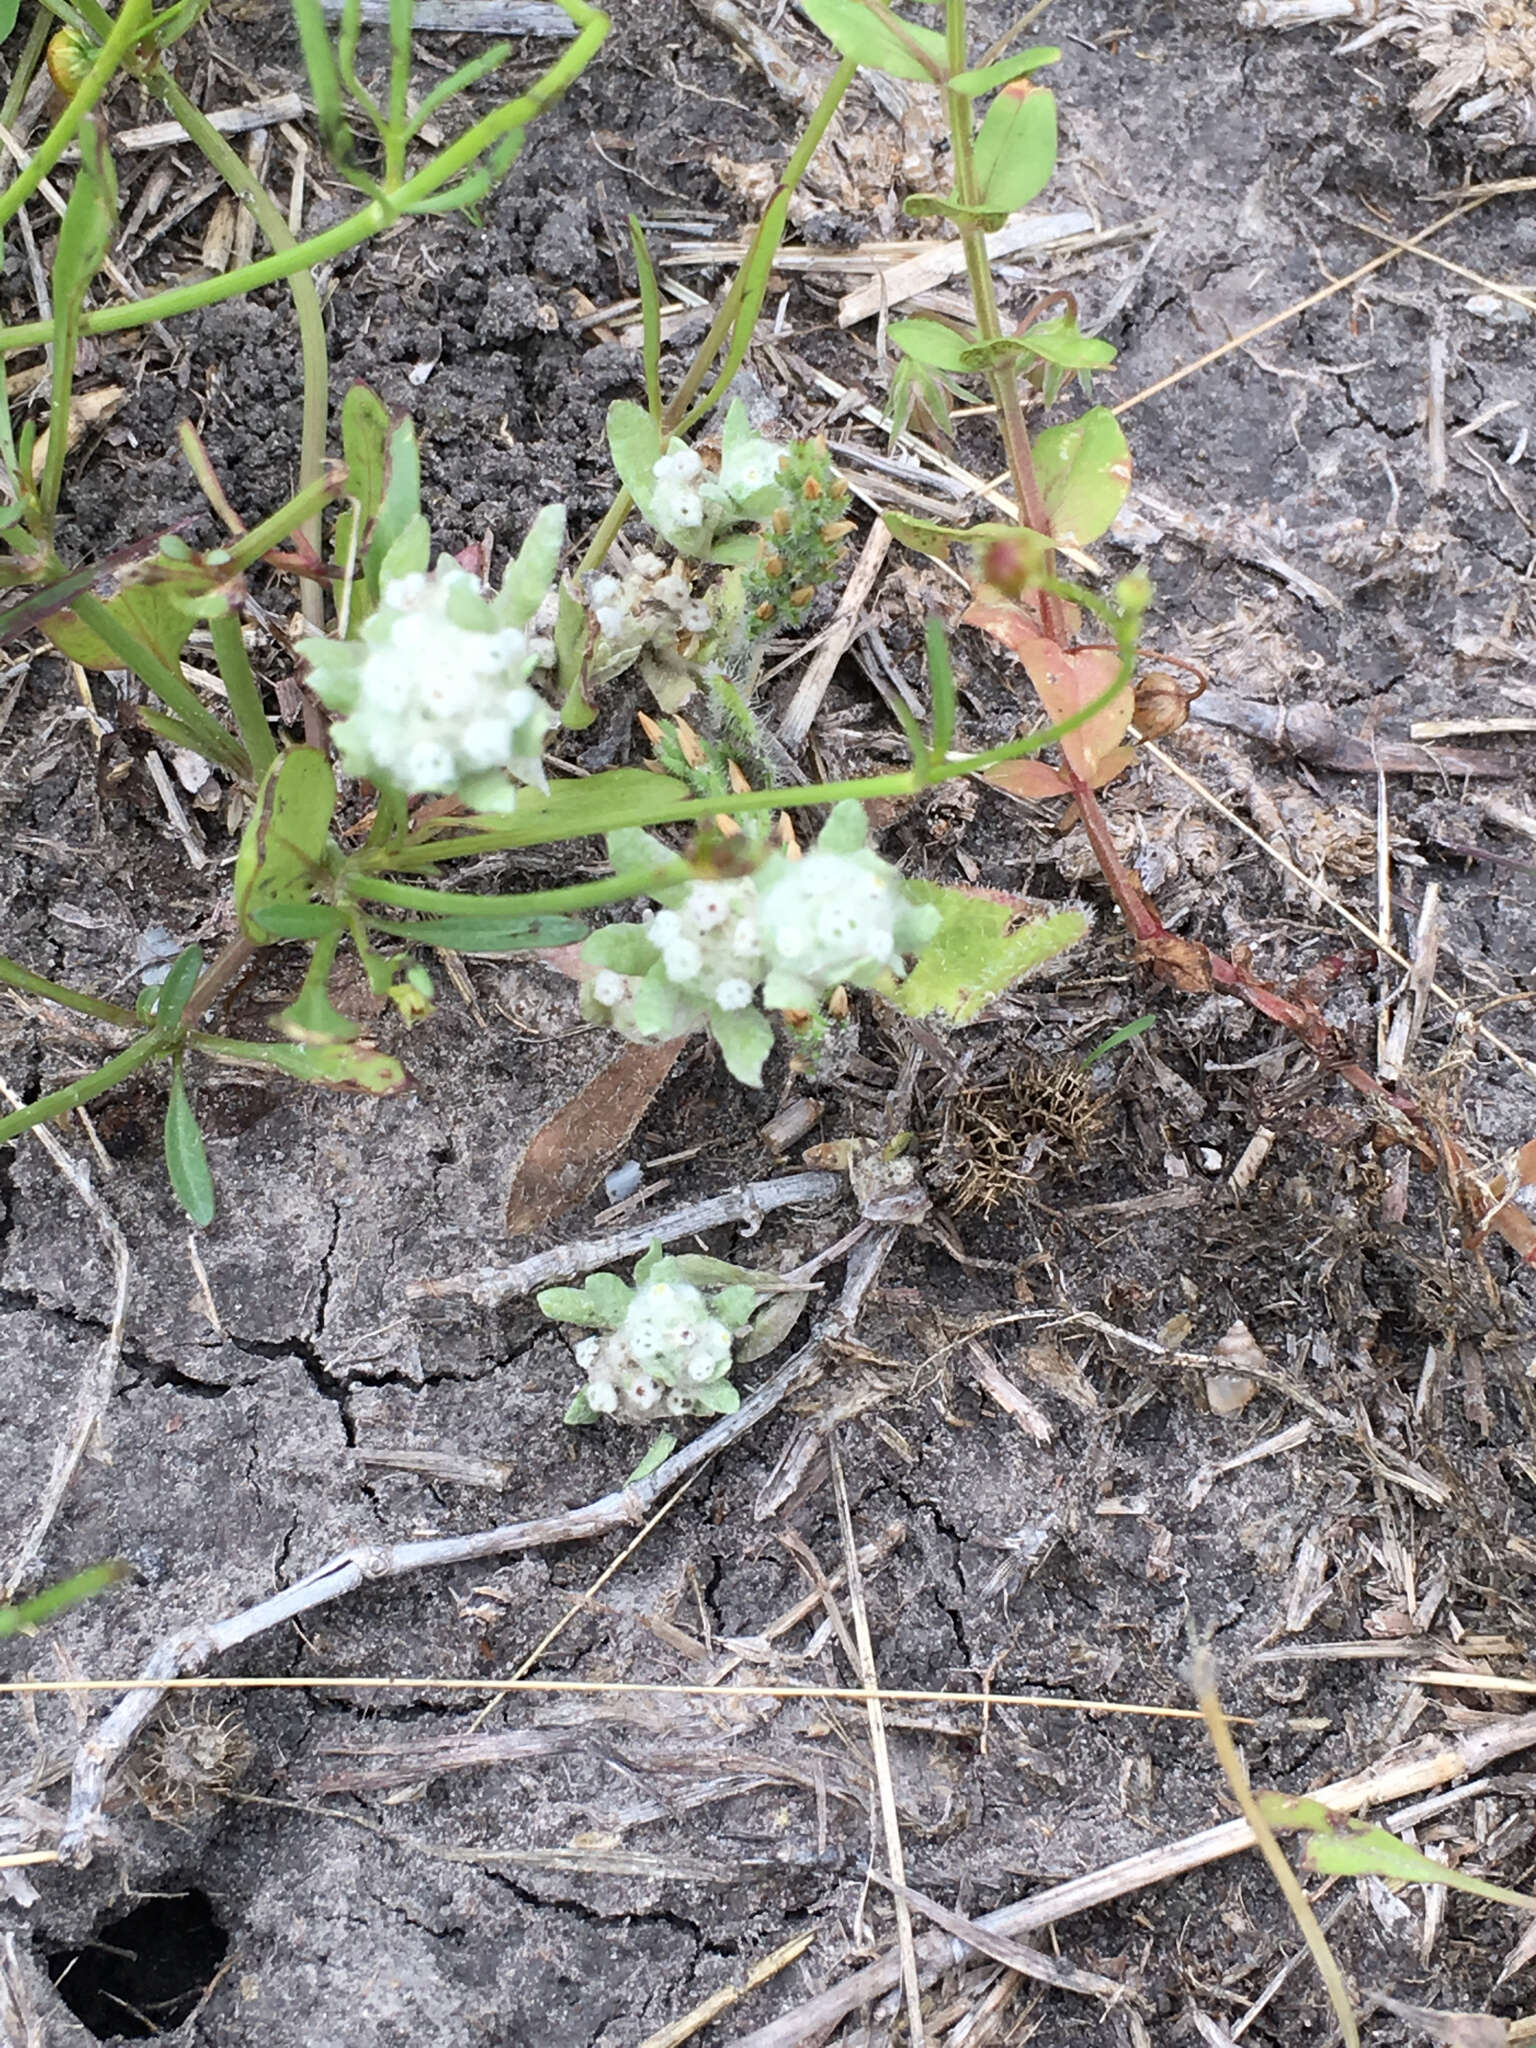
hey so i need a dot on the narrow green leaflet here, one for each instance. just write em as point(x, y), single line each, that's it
point(27, 1615)
point(931, 342)
point(941, 689)
point(365, 445)
point(485, 934)
point(359, 1069)
point(9, 9)
point(283, 851)
point(1016, 148)
point(650, 314)
point(987, 77)
point(929, 206)
point(400, 534)
point(927, 537)
point(185, 1160)
point(1084, 469)
point(984, 944)
point(177, 987)
point(858, 34)
point(1336, 1847)
point(654, 1458)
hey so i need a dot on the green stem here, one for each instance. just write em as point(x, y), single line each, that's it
point(1003, 379)
point(306, 302)
point(126, 31)
point(63, 1100)
point(372, 219)
point(15, 976)
point(576, 896)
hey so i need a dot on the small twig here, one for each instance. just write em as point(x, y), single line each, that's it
point(95, 1389)
point(812, 686)
point(1417, 1768)
point(190, 1649)
point(487, 1286)
point(1014, 1955)
point(890, 1819)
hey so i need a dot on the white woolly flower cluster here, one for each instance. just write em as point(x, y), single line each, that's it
point(655, 1363)
point(650, 607)
point(687, 498)
point(433, 693)
point(709, 943)
point(828, 914)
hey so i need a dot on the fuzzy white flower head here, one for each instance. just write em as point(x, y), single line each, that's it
point(435, 693)
point(828, 914)
point(750, 467)
point(708, 943)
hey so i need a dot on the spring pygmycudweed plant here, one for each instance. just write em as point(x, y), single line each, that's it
point(448, 696)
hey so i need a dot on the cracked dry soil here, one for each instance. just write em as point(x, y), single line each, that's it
point(609, 1863)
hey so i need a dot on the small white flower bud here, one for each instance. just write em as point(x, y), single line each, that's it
point(602, 1398)
point(609, 988)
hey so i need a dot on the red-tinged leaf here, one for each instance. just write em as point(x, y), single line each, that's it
point(1030, 777)
point(1016, 146)
point(1109, 765)
point(569, 1155)
point(1067, 681)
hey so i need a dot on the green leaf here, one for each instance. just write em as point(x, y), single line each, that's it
point(610, 1295)
point(1121, 1036)
point(151, 612)
point(656, 1003)
point(931, 342)
point(927, 537)
point(585, 805)
point(1354, 1848)
point(1060, 341)
point(185, 1160)
point(90, 219)
point(365, 447)
point(858, 34)
point(283, 850)
point(299, 920)
point(717, 1397)
point(177, 987)
point(9, 9)
point(929, 206)
point(485, 934)
point(699, 1269)
point(734, 1306)
point(27, 1615)
point(571, 1305)
point(529, 577)
point(629, 848)
point(846, 829)
point(634, 442)
point(745, 1039)
point(986, 77)
point(654, 1458)
point(625, 948)
point(984, 943)
point(648, 1261)
point(359, 1069)
point(581, 1411)
point(771, 1326)
point(1084, 469)
point(941, 688)
point(1016, 148)
point(399, 523)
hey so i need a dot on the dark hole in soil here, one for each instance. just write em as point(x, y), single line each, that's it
point(142, 1975)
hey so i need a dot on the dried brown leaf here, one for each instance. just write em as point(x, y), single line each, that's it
point(567, 1157)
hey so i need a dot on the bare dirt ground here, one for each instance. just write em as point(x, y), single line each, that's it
point(363, 1872)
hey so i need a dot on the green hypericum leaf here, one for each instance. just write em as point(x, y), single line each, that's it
point(931, 342)
point(989, 76)
point(27, 1615)
point(930, 206)
point(1084, 469)
point(1336, 1847)
point(654, 1458)
point(1016, 148)
point(9, 9)
point(365, 445)
point(400, 540)
point(857, 33)
point(941, 688)
point(283, 851)
point(177, 987)
point(927, 537)
point(299, 920)
point(486, 934)
point(150, 611)
point(572, 1305)
point(1060, 341)
point(359, 1069)
point(984, 943)
point(185, 1160)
